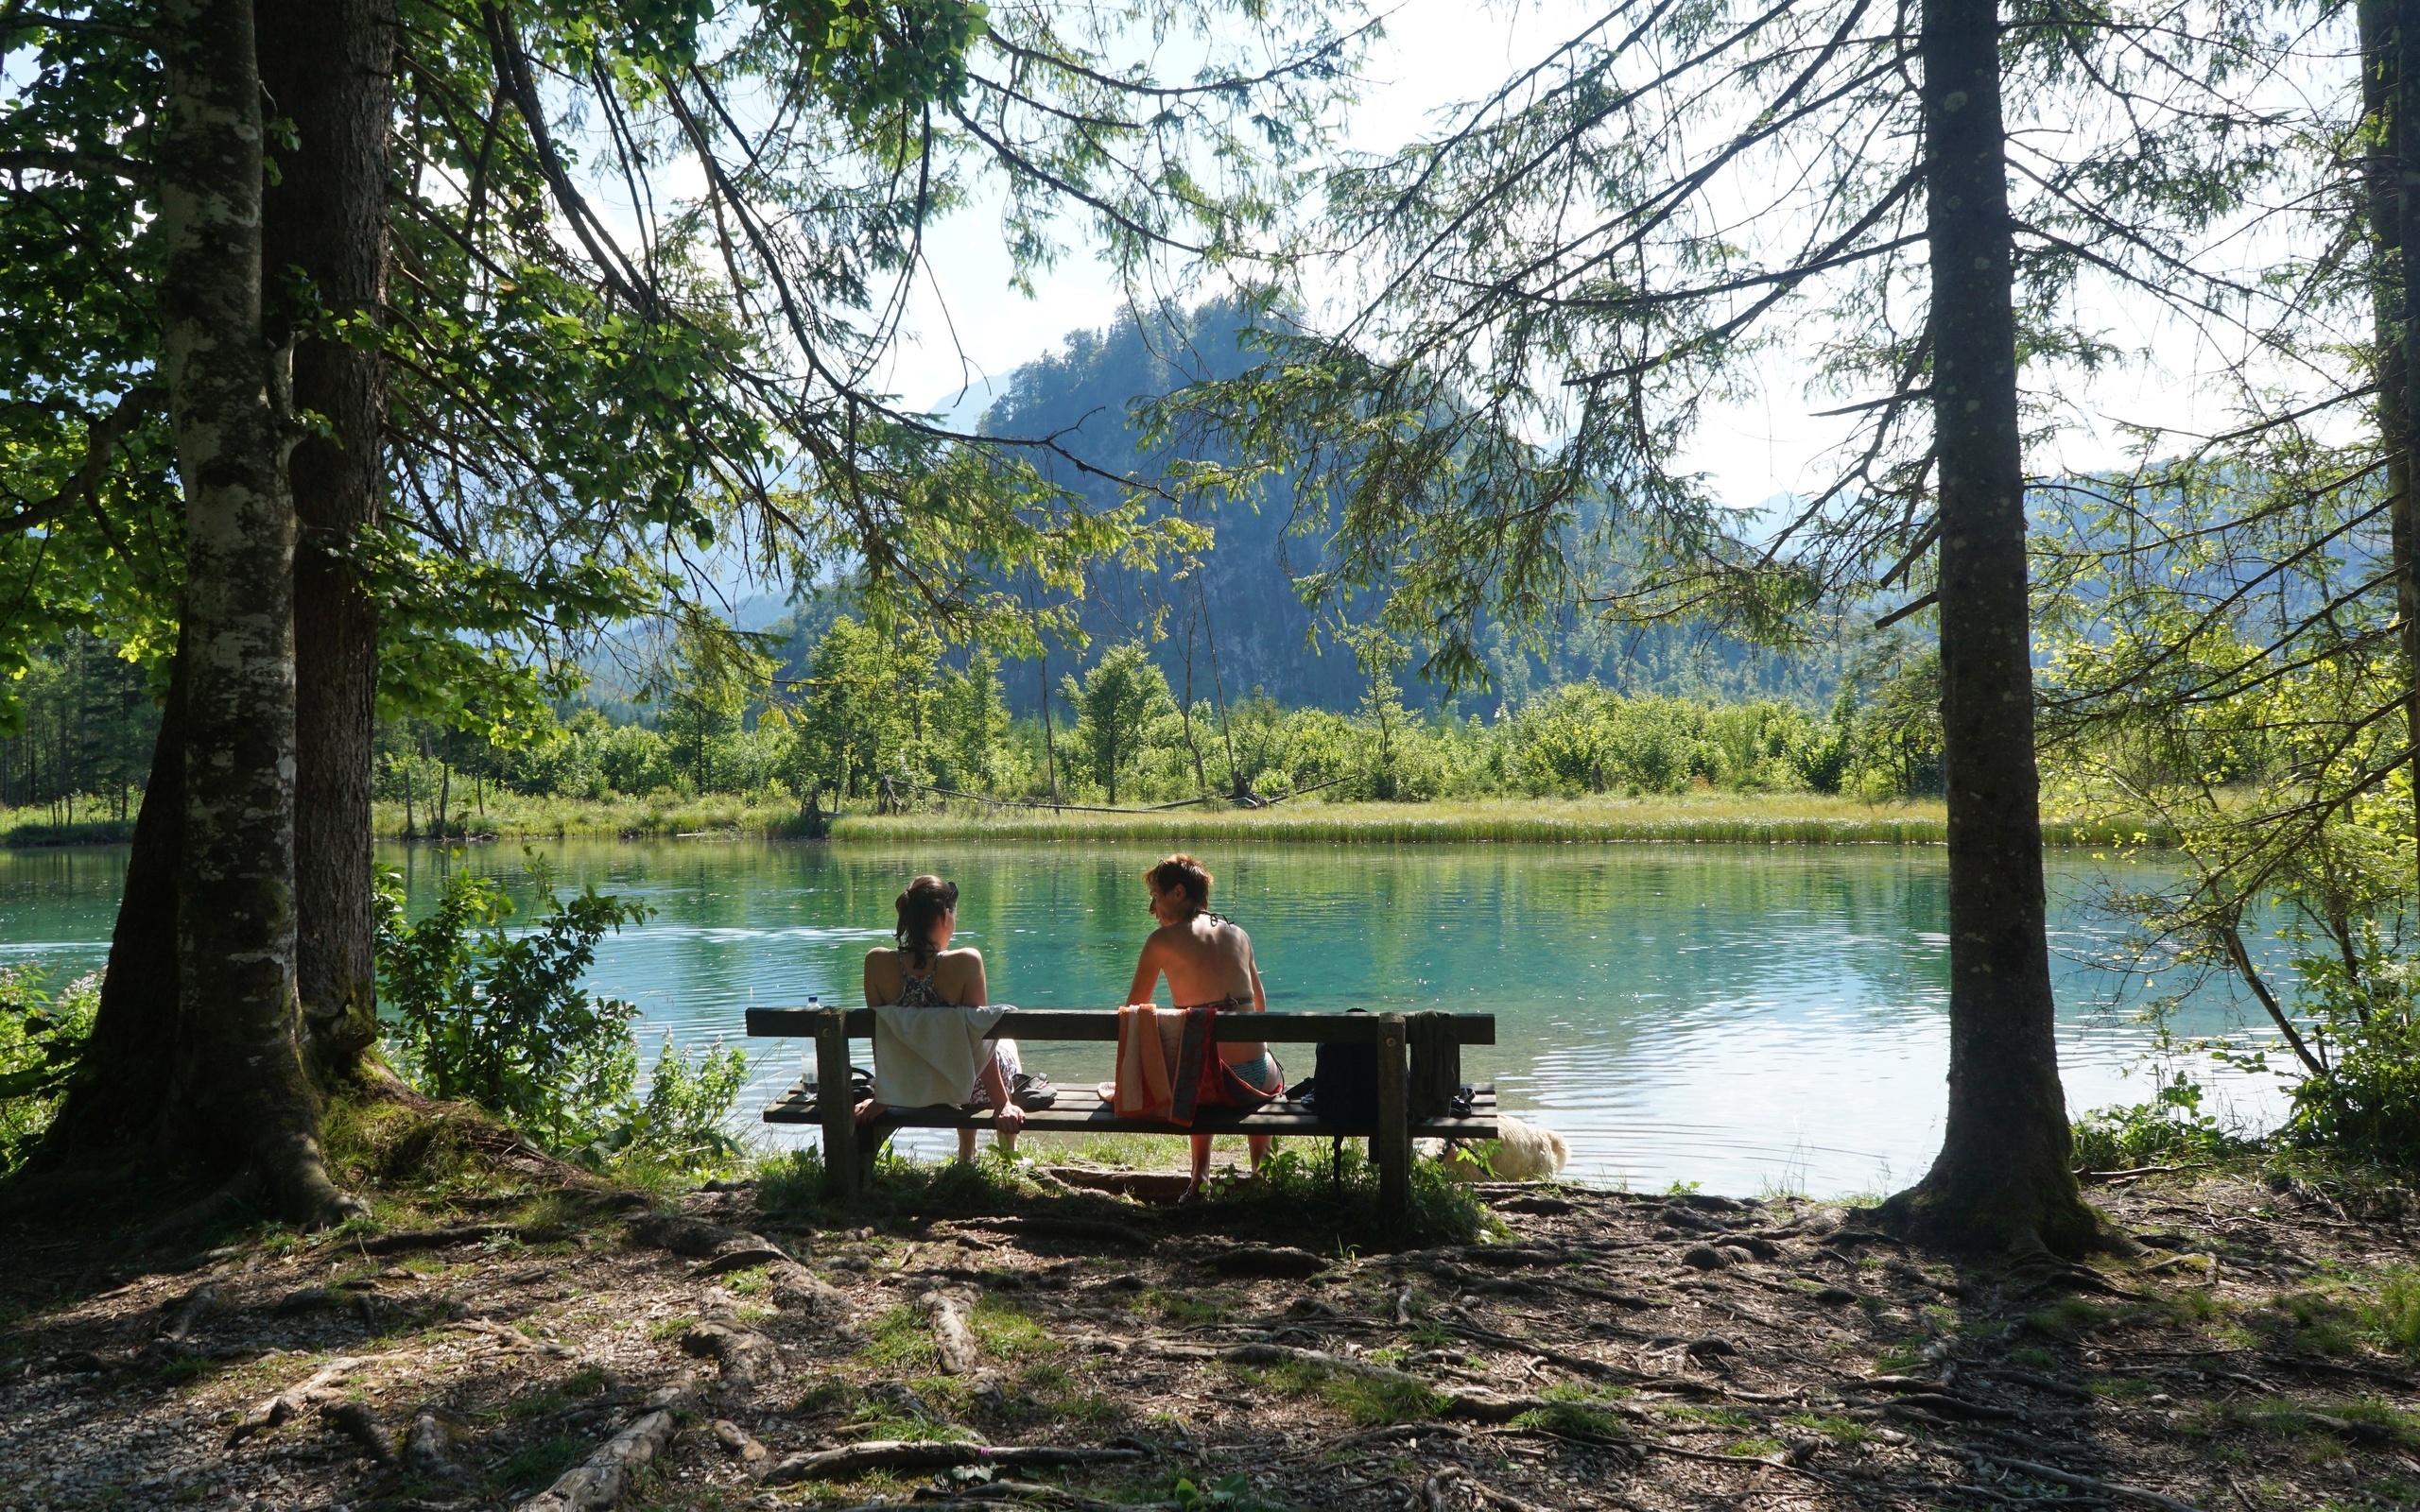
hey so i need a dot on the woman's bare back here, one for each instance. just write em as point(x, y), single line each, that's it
point(1205, 959)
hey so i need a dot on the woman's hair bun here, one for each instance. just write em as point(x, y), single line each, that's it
point(1182, 873)
point(920, 907)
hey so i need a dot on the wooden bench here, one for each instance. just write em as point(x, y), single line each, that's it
point(849, 1151)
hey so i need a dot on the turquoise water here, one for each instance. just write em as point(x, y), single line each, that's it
point(1742, 1017)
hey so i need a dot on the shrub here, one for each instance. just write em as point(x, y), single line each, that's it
point(42, 1039)
point(501, 1020)
point(2170, 1126)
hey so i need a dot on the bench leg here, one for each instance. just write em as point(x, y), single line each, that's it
point(1391, 1146)
point(836, 1095)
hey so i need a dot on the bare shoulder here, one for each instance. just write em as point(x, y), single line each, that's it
point(963, 955)
point(882, 955)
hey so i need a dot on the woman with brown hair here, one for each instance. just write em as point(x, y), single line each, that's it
point(924, 972)
point(1208, 961)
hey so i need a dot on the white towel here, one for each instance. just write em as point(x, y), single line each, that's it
point(922, 1056)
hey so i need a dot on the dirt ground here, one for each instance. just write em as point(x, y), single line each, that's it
point(1604, 1350)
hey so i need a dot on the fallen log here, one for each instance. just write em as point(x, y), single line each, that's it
point(891, 1454)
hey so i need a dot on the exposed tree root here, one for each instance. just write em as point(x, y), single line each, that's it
point(738, 1351)
point(604, 1478)
point(357, 1422)
point(319, 1386)
point(429, 1450)
point(2113, 1490)
point(951, 1337)
point(890, 1454)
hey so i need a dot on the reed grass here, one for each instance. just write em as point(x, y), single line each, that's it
point(664, 815)
point(1715, 818)
point(1708, 818)
point(40, 825)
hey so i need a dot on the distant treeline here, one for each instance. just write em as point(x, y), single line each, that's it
point(891, 717)
point(84, 746)
point(880, 717)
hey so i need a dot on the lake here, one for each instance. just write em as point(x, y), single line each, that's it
point(1747, 1018)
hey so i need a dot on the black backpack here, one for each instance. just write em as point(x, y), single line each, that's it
point(1345, 1077)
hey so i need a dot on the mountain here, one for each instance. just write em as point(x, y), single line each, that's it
point(1246, 608)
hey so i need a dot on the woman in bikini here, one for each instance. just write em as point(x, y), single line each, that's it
point(924, 972)
point(1207, 961)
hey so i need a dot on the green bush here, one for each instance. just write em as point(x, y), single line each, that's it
point(501, 1020)
point(2169, 1127)
point(41, 1040)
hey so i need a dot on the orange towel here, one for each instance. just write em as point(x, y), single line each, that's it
point(1159, 1063)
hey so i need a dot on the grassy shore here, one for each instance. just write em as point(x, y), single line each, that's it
point(1757, 818)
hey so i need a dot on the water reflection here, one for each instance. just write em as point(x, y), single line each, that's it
point(1741, 1017)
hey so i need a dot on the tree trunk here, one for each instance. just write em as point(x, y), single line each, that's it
point(114, 1109)
point(238, 1099)
point(2390, 58)
point(326, 66)
point(2002, 1179)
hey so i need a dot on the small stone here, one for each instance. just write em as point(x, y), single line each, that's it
point(738, 1441)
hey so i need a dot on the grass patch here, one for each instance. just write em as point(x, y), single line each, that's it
point(1007, 1331)
point(1369, 1402)
point(1576, 1412)
point(1722, 1416)
point(1839, 1429)
point(2070, 1317)
point(1182, 1307)
point(1343, 1183)
point(902, 1341)
point(1759, 1448)
point(2392, 1319)
point(539, 1464)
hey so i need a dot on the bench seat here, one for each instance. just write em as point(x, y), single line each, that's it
point(1080, 1111)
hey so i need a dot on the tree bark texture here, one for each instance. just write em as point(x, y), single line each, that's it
point(238, 1098)
point(2391, 58)
point(128, 1060)
point(2002, 1177)
point(326, 66)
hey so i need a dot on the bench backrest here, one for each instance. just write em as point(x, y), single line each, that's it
point(1101, 1023)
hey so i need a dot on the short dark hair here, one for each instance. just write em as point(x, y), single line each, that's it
point(1182, 873)
point(920, 908)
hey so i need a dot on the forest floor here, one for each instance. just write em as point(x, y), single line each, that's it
point(970, 1342)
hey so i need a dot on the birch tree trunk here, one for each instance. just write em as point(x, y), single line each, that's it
point(238, 1098)
point(2002, 1179)
point(327, 64)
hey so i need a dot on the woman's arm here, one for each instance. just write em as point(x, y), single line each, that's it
point(873, 992)
point(976, 988)
point(1146, 974)
point(1252, 966)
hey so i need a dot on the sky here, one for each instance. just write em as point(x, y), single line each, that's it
point(967, 330)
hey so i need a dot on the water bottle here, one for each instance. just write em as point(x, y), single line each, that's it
point(814, 1005)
